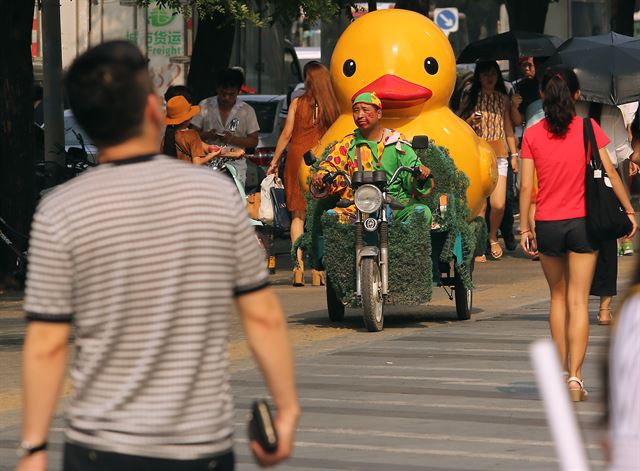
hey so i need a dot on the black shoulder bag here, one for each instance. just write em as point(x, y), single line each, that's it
point(606, 218)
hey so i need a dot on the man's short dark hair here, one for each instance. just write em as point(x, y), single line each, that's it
point(178, 90)
point(231, 78)
point(108, 87)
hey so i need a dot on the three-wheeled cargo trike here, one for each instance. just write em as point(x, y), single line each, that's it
point(378, 261)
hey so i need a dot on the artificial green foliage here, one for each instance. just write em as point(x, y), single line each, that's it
point(339, 257)
point(454, 183)
point(410, 265)
point(310, 241)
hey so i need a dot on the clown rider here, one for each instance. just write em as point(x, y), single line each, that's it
point(377, 148)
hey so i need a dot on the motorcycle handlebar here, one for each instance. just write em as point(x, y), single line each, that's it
point(413, 170)
point(330, 176)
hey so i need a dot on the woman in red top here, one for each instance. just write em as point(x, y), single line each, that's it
point(554, 148)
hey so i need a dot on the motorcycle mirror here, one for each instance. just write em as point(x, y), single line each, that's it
point(420, 142)
point(309, 158)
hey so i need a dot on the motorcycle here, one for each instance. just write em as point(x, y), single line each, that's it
point(369, 285)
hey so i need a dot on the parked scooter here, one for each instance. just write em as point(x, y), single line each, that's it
point(51, 174)
point(221, 164)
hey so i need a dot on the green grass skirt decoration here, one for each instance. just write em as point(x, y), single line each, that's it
point(410, 265)
point(410, 275)
point(454, 183)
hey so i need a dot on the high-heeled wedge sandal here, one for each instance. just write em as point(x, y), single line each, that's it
point(298, 276)
point(602, 321)
point(317, 278)
point(577, 395)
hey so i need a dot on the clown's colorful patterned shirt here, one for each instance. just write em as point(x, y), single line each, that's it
point(391, 152)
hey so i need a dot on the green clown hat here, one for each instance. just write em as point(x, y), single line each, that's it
point(368, 97)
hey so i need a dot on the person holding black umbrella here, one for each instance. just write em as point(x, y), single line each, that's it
point(487, 109)
point(611, 120)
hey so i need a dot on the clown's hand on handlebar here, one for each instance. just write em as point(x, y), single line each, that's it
point(319, 184)
point(319, 180)
point(421, 172)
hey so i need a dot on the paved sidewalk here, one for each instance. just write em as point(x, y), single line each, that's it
point(449, 397)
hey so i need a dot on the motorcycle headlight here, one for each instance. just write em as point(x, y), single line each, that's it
point(368, 198)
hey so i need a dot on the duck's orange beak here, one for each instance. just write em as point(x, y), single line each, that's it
point(395, 92)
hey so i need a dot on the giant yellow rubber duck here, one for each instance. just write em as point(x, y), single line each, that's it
point(405, 58)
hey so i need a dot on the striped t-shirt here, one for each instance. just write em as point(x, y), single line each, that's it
point(624, 382)
point(144, 256)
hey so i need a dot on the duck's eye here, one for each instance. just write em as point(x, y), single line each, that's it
point(431, 65)
point(349, 67)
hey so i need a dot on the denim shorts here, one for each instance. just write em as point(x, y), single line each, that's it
point(556, 238)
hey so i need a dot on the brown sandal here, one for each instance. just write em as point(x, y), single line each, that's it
point(602, 321)
point(298, 276)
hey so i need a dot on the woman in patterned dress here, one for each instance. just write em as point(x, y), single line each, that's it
point(486, 107)
point(308, 119)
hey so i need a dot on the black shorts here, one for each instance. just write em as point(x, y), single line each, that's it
point(556, 238)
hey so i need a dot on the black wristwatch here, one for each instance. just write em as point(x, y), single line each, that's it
point(27, 449)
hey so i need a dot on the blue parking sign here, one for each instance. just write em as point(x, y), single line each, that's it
point(446, 19)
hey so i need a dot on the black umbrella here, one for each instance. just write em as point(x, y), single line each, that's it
point(607, 65)
point(510, 46)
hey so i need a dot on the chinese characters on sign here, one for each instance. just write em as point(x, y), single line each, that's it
point(164, 39)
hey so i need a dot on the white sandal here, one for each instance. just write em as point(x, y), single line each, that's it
point(577, 395)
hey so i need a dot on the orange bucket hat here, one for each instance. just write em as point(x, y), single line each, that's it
point(180, 110)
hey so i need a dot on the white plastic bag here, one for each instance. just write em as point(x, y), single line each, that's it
point(266, 204)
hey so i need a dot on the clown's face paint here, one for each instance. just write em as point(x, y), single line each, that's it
point(366, 116)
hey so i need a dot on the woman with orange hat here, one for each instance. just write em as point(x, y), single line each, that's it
point(180, 141)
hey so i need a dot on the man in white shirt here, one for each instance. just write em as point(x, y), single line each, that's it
point(224, 120)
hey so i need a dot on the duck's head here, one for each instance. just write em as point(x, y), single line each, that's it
point(399, 54)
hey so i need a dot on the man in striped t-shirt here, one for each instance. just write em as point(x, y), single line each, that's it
point(144, 256)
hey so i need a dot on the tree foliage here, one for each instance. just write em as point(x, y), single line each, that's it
point(259, 12)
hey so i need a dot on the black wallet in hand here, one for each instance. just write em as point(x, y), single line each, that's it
point(261, 427)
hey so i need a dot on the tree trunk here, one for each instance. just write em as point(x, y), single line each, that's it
point(17, 163)
point(527, 16)
point(419, 6)
point(211, 54)
point(622, 17)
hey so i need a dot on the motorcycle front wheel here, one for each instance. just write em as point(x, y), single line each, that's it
point(372, 302)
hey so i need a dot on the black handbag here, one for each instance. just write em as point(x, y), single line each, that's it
point(281, 217)
point(606, 218)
